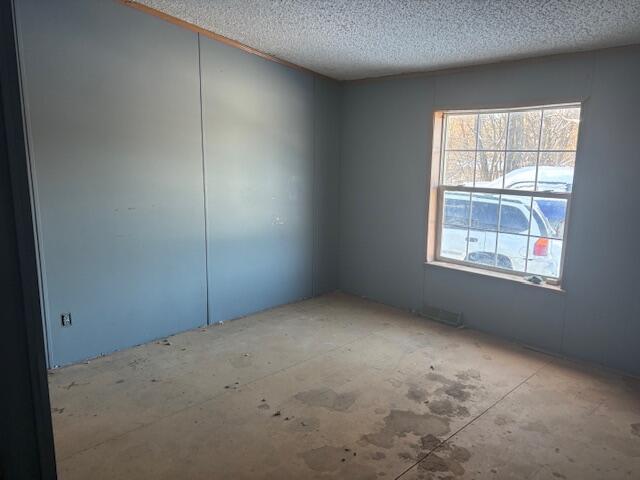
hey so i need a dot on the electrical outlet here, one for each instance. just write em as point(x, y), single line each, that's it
point(65, 319)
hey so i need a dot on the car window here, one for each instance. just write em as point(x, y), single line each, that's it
point(513, 220)
point(484, 215)
point(456, 213)
point(538, 226)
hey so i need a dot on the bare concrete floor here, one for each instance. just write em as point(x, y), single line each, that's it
point(339, 387)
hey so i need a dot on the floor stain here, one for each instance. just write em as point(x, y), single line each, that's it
point(324, 459)
point(434, 463)
point(536, 426)
point(429, 442)
point(635, 429)
point(378, 456)
point(501, 420)
point(406, 456)
point(446, 408)
point(452, 388)
point(448, 459)
point(467, 375)
point(416, 394)
point(458, 391)
point(327, 398)
point(401, 422)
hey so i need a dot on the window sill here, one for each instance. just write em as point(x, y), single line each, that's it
point(490, 273)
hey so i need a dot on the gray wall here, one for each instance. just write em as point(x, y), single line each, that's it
point(326, 211)
point(114, 120)
point(258, 130)
point(385, 161)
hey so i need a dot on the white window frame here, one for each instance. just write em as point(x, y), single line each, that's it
point(438, 189)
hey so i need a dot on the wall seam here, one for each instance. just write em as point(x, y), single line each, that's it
point(315, 190)
point(339, 213)
point(204, 188)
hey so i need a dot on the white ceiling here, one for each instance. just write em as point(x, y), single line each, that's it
point(351, 39)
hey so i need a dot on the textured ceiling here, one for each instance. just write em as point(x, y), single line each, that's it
point(350, 39)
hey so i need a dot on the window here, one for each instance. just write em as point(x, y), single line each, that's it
point(501, 188)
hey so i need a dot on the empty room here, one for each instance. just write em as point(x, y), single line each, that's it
point(320, 239)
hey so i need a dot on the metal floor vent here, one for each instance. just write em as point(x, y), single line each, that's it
point(443, 316)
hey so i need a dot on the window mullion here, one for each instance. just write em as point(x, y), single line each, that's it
point(495, 250)
point(506, 146)
point(535, 182)
point(526, 252)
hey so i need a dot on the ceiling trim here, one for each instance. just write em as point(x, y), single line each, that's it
point(215, 36)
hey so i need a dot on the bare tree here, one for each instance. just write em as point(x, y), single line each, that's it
point(486, 146)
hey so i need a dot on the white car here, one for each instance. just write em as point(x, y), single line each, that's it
point(470, 234)
point(550, 179)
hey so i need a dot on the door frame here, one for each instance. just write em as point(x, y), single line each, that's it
point(25, 418)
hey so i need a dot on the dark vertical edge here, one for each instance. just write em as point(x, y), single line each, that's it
point(315, 191)
point(33, 190)
point(338, 214)
point(342, 94)
point(27, 436)
point(204, 186)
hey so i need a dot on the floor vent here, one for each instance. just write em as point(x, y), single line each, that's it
point(443, 316)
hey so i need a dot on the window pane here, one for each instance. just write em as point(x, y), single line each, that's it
point(555, 171)
point(512, 251)
point(553, 212)
point(560, 129)
point(520, 170)
point(454, 243)
point(489, 169)
point(492, 134)
point(461, 132)
point(544, 256)
point(524, 130)
point(484, 211)
point(515, 213)
point(456, 209)
point(482, 247)
point(458, 168)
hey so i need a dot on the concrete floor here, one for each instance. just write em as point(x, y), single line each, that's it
point(339, 387)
